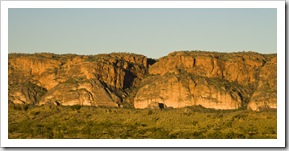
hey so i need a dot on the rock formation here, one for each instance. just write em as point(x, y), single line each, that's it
point(265, 95)
point(181, 91)
point(88, 93)
point(181, 79)
point(240, 67)
point(98, 80)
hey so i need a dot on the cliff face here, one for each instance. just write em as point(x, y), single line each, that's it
point(265, 95)
point(98, 80)
point(88, 93)
point(182, 90)
point(213, 80)
point(240, 67)
point(209, 79)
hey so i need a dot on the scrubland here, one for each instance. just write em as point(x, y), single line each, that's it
point(81, 122)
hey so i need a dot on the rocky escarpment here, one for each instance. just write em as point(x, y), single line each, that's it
point(240, 67)
point(186, 78)
point(212, 80)
point(99, 80)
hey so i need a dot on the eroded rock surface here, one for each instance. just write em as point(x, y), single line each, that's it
point(183, 90)
point(60, 75)
point(240, 67)
point(265, 95)
point(181, 79)
point(88, 93)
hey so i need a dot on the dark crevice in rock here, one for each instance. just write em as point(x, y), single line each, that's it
point(128, 79)
point(151, 61)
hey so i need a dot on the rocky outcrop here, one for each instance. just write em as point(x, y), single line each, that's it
point(182, 91)
point(247, 71)
point(181, 79)
point(113, 73)
point(240, 67)
point(265, 95)
point(33, 64)
point(25, 93)
point(88, 93)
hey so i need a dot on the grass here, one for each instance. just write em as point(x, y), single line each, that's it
point(92, 122)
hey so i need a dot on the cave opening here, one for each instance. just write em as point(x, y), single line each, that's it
point(161, 105)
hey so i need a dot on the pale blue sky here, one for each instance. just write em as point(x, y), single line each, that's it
point(151, 32)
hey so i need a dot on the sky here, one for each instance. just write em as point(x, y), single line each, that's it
point(153, 32)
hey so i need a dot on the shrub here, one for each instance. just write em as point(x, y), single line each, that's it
point(75, 107)
point(150, 112)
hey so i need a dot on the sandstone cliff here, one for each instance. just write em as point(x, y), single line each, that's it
point(265, 95)
point(186, 78)
point(182, 90)
point(98, 80)
point(240, 67)
point(88, 93)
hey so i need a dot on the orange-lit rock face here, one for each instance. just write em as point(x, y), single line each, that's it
point(248, 70)
point(210, 79)
point(89, 93)
point(233, 67)
point(265, 95)
point(58, 74)
point(181, 91)
point(33, 64)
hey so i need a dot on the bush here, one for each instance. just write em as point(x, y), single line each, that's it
point(150, 112)
point(75, 107)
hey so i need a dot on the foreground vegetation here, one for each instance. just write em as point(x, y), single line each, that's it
point(91, 122)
